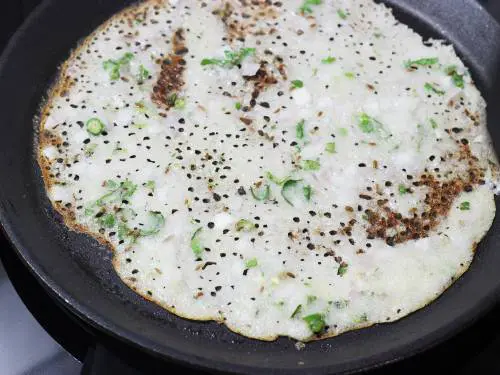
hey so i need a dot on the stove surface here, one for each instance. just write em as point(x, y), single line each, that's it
point(37, 337)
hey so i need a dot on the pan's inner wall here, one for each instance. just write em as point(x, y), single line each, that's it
point(79, 270)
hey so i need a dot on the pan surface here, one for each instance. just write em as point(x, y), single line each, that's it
point(77, 271)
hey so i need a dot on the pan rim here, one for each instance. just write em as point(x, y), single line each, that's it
point(107, 326)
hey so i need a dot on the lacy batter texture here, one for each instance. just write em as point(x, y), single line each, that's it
point(298, 168)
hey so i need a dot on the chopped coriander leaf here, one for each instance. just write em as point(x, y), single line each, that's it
point(433, 88)
point(307, 192)
point(402, 189)
point(113, 66)
point(296, 312)
point(244, 225)
point(306, 6)
point(89, 149)
point(95, 126)
point(311, 299)
point(316, 322)
point(330, 147)
point(349, 75)
point(180, 103)
point(299, 129)
point(369, 124)
point(341, 304)
point(196, 244)
point(286, 191)
point(465, 206)
point(363, 318)
point(366, 123)
point(107, 220)
point(237, 106)
point(251, 263)
point(297, 84)
point(275, 179)
point(434, 124)
point(311, 165)
point(342, 14)
point(458, 79)
point(329, 60)
point(126, 58)
point(143, 74)
point(342, 269)
point(150, 185)
point(230, 58)
point(261, 193)
point(428, 61)
point(175, 101)
point(155, 222)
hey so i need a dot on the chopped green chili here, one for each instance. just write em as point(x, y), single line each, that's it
point(95, 126)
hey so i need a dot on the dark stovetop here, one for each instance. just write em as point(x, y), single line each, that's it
point(37, 337)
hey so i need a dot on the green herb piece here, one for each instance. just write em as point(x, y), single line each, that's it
point(230, 58)
point(369, 124)
point(402, 189)
point(117, 192)
point(180, 103)
point(363, 318)
point(429, 87)
point(342, 14)
point(307, 192)
point(330, 148)
point(286, 191)
point(244, 225)
point(434, 124)
point(342, 269)
point(150, 185)
point(95, 126)
point(458, 79)
point(299, 129)
point(350, 75)
point(125, 232)
point(343, 132)
point(113, 67)
point(143, 74)
point(89, 149)
point(237, 106)
point(316, 322)
point(251, 263)
point(341, 304)
point(465, 206)
point(107, 220)
point(311, 299)
point(155, 222)
point(262, 193)
point(428, 61)
point(275, 179)
point(366, 123)
point(196, 244)
point(311, 165)
point(296, 312)
point(175, 101)
point(297, 84)
point(306, 6)
point(329, 60)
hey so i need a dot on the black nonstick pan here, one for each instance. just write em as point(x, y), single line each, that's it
point(77, 271)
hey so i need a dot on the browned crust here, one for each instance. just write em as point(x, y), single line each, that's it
point(439, 200)
point(171, 78)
